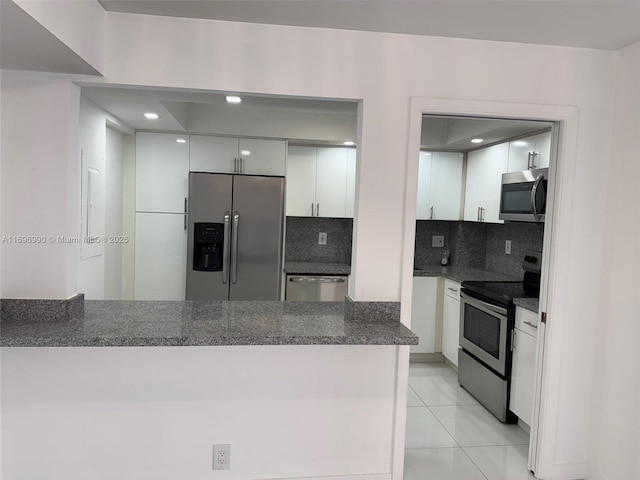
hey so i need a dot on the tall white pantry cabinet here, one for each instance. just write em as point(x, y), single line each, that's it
point(162, 172)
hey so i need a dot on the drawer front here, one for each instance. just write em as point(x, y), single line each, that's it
point(451, 289)
point(527, 321)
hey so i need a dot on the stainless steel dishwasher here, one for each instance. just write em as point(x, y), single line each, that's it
point(316, 288)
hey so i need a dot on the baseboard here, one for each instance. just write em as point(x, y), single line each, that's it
point(567, 471)
point(426, 357)
point(366, 476)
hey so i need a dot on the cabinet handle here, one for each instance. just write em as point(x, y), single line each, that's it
point(186, 211)
point(431, 213)
point(234, 248)
point(312, 214)
point(531, 324)
point(478, 213)
point(317, 209)
point(513, 339)
point(235, 165)
point(455, 290)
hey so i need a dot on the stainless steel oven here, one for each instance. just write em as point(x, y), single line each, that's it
point(484, 328)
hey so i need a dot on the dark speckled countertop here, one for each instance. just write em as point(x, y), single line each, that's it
point(462, 274)
point(317, 268)
point(193, 323)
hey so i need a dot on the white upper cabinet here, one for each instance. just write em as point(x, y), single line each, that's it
point(162, 171)
point(331, 182)
point(351, 183)
point(423, 209)
point(446, 185)
point(301, 181)
point(249, 156)
point(439, 185)
point(213, 154)
point(484, 180)
point(320, 182)
point(530, 152)
point(262, 157)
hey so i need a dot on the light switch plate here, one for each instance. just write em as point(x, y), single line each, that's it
point(507, 247)
point(437, 241)
point(322, 238)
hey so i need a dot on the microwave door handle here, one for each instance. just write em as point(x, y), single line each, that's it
point(536, 184)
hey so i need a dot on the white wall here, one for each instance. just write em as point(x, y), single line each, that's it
point(40, 178)
point(615, 450)
point(154, 413)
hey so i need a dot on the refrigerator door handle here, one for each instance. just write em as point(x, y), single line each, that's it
point(225, 249)
point(234, 248)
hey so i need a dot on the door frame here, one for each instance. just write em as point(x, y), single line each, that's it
point(553, 283)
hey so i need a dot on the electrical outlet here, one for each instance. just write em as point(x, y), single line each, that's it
point(437, 241)
point(507, 247)
point(222, 457)
point(322, 238)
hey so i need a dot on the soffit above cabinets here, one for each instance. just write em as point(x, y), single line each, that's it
point(455, 133)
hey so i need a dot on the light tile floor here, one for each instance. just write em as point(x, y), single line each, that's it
point(452, 437)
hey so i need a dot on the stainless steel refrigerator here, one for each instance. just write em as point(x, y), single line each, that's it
point(234, 248)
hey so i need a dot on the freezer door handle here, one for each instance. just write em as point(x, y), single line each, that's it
point(225, 249)
point(317, 279)
point(234, 248)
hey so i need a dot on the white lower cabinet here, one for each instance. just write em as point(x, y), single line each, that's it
point(451, 321)
point(524, 365)
point(160, 256)
point(423, 313)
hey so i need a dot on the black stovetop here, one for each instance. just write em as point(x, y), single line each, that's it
point(500, 292)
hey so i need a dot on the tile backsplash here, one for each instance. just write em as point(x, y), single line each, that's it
point(478, 245)
point(301, 244)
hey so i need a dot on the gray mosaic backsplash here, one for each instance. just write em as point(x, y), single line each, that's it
point(478, 245)
point(301, 243)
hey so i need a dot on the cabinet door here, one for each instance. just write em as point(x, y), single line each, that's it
point(451, 329)
point(423, 208)
point(523, 376)
point(331, 182)
point(519, 153)
point(423, 313)
point(213, 154)
point(162, 170)
point(543, 147)
point(351, 183)
point(262, 157)
point(160, 256)
point(446, 185)
point(301, 181)
point(484, 179)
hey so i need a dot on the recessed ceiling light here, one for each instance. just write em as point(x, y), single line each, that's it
point(181, 140)
point(349, 143)
point(520, 143)
point(245, 152)
point(477, 140)
point(233, 99)
point(151, 116)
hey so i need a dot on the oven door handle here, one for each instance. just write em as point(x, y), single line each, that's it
point(487, 307)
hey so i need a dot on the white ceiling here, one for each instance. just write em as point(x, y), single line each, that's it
point(601, 24)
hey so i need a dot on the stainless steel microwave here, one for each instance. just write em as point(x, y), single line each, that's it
point(523, 195)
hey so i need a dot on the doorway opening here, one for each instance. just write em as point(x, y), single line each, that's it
point(459, 236)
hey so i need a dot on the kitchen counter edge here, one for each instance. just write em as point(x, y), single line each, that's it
point(191, 323)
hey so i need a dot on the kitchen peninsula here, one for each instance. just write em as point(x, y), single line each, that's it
point(156, 384)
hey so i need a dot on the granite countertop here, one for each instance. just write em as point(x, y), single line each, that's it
point(201, 323)
point(317, 268)
point(532, 304)
point(462, 274)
